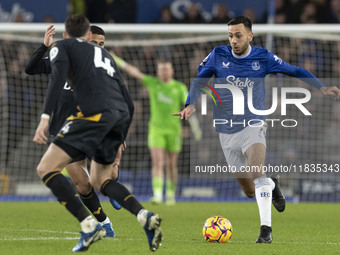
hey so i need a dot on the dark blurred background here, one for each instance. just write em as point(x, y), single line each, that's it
point(171, 11)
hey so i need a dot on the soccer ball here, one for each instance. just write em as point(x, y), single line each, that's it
point(217, 229)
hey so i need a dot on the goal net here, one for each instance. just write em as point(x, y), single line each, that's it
point(306, 155)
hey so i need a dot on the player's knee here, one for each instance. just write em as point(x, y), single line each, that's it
point(42, 169)
point(114, 175)
point(95, 183)
point(158, 165)
point(83, 187)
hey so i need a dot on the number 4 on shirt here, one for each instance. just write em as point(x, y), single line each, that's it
point(98, 62)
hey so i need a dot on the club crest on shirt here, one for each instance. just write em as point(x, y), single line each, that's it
point(255, 65)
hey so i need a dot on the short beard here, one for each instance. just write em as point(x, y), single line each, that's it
point(243, 51)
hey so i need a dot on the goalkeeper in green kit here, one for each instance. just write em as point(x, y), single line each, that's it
point(165, 133)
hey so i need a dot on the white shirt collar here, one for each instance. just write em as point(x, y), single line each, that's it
point(244, 56)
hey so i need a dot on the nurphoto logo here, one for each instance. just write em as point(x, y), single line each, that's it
point(238, 86)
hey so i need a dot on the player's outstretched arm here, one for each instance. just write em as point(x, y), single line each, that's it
point(36, 64)
point(186, 113)
point(331, 91)
point(130, 69)
point(40, 133)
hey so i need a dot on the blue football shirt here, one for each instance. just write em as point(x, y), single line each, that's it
point(241, 74)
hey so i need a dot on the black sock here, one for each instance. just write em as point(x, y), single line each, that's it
point(91, 201)
point(119, 193)
point(66, 195)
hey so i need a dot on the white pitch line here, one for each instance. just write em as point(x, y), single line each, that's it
point(332, 243)
point(40, 230)
point(58, 232)
point(37, 238)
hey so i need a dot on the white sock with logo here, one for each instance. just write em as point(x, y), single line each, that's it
point(263, 193)
point(88, 224)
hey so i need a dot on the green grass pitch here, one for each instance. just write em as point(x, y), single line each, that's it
point(46, 228)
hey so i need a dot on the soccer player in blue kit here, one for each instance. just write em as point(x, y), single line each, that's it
point(244, 146)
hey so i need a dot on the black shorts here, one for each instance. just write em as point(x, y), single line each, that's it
point(80, 157)
point(98, 136)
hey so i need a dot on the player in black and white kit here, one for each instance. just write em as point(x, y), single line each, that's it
point(97, 130)
point(38, 64)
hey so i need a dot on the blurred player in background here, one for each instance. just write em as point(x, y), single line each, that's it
point(77, 170)
point(245, 146)
point(98, 129)
point(165, 133)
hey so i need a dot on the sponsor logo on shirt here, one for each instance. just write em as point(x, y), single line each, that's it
point(240, 83)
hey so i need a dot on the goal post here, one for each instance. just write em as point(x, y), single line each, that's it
point(315, 140)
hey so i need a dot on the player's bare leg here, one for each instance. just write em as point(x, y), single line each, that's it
point(262, 188)
point(115, 173)
point(101, 178)
point(256, 157)
point(49, 170)
point(247, 185)
point(158, 162)
point(172, 177)
point(79, 176)
point(54, 159)
point(81, 179)
point(118, 158)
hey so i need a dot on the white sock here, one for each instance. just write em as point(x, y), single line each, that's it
point(158, 196)
point(141, 216)
point(88, 224)
point(107, 220)
point(263, 193)
point(272, 183)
